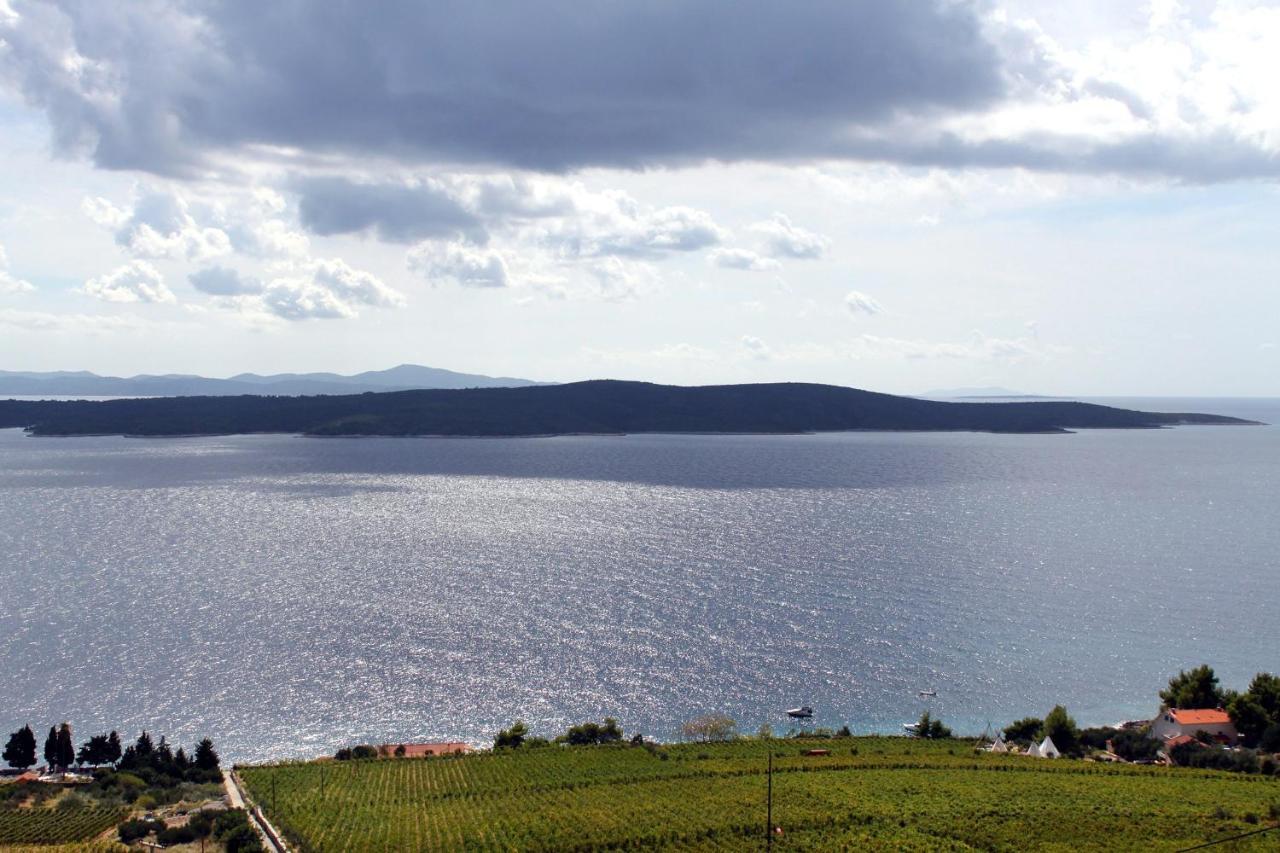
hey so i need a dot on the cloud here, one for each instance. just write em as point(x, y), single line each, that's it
point(859, 303)
point(136, 281)
point(395, 212)
point(8, 282)
point(539, 86)
point(222, 281)
point(469, 266)
point(756, 348)
point(791, 241)
point(314, 289)
point(617, 280)
point(743, 259)
point(303, 299)
point(160, 226)
point(612, 223)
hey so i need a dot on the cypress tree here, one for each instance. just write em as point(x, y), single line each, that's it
point(51, 748)
point(66, 749)
point(112, 754)
point(20, 751)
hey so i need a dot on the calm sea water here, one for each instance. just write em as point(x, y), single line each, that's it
point(288, 595)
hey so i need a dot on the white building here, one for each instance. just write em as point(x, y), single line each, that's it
point(1175, 722)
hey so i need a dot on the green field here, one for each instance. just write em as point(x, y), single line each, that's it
point(42, 825)
point(870, 793)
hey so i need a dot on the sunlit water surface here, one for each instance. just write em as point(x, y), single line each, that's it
point(288, 595)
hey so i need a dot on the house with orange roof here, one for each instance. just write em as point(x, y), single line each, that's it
point(1189, 722)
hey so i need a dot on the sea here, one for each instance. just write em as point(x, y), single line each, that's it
point(288, 596)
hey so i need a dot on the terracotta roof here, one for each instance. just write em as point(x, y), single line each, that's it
point(1200, 716)
point(1170, 743)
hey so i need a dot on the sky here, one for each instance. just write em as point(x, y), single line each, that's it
point(1076, 197)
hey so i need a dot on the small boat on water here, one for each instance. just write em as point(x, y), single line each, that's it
point(804, 712)
point(927, 694)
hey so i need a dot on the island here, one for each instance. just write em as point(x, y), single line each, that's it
point(592, 407)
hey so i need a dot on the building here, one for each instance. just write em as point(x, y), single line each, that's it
point(422, 750)
point(1178, 722)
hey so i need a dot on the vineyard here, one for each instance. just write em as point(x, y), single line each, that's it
point(46, 826)
point(868, 793)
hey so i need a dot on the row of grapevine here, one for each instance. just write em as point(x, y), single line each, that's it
point(712, 797)
point(55, 826)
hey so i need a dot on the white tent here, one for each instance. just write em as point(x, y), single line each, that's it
point(1033, 750)
point(998, 746)
point(1047, 749)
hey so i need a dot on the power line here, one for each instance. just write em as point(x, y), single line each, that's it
point(1231, 838)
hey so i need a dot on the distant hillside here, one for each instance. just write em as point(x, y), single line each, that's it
point(403, 378)
point(582, 407)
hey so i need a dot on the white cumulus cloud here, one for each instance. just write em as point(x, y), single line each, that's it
point(743, 259)
point(786, 239)
point(469, 266)
point(859, 303)
point(136, 281)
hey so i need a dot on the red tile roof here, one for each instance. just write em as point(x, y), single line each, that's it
point(1179, 741)
point(1200, 717)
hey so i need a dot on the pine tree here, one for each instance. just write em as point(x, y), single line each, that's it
point(20, 752)
point(66, 749)
point(113, 753)
point(51, 749)
point(206, 758)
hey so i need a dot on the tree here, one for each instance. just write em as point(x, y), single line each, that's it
point(400, 751)
point(711, 727)
point(66, 748)
point(113, 748)
point(1265, 689)
point(1195, 689)
point(1025, 729)
point(588, 734)
point(206, 758)
point(20, 751)
point(1250, 718)
point(1062, 730)
point(95, 751)
point(51, 748)
point(931, 728)
point(512, 738)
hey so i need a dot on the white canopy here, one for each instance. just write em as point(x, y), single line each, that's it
point(1047, 749)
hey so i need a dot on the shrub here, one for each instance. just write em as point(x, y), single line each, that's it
point(133, 830)
point(175, 835)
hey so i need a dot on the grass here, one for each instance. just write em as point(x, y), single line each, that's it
point(870, 793)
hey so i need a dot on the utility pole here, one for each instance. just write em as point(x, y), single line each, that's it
point(768, 830)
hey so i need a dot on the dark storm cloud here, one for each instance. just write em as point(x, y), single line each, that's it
point(550, 85)
point(397, 213)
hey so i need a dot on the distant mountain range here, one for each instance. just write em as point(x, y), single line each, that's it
point(601, 406)
point(406, 377)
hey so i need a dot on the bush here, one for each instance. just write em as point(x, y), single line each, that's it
point(133, 830)
point(175, 835)
point(589, 734)
point(1024, 730)
point(232, 829)
point(1134, 745)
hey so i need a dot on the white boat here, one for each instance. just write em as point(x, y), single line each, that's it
point(927, 693)
point(911, 728)
point(804, 712)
